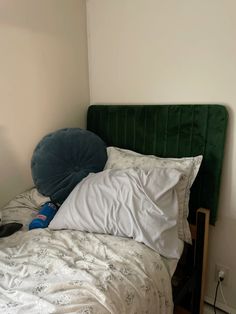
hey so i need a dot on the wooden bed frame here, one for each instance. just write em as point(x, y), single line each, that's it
point(175, 131)
point(189, 288)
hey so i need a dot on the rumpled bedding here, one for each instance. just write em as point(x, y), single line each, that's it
point(44, 271)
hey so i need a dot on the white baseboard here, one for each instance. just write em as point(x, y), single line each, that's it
point(221, 306)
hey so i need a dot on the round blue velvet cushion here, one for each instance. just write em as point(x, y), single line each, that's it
point(63, 158)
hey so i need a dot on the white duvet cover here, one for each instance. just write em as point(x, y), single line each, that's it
point(44, 271)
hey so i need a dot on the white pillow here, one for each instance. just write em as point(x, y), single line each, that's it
point(134, 203)
point(189, 166)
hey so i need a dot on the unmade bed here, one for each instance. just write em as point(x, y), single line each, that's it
point(45, 271)
point(87, 268)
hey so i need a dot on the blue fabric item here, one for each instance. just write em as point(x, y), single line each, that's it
point(63, 158)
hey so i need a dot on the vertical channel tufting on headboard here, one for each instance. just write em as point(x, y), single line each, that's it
point(170, 131)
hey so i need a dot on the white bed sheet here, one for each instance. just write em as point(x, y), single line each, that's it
point(44, 271)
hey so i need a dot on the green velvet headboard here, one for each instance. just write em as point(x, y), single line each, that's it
point(170, 131)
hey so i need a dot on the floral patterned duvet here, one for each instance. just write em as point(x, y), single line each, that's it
point(44, 271)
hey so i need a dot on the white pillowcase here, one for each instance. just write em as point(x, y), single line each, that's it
point(189, 166)
point(134, 203)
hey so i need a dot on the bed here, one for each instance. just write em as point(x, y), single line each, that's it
point(64, 270)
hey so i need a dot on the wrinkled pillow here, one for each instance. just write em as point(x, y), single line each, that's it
point(133, 203)
point(63, 158)
point(122, 158)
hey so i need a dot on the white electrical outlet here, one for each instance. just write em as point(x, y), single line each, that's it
point(224, 270)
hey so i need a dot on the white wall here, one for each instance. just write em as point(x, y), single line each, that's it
point(43, 80)
point(153, 51)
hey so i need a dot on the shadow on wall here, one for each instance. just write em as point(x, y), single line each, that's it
point(12, 179)
point(39, 16)
point(227, 180)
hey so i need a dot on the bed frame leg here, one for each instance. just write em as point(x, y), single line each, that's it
point(200, 262)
